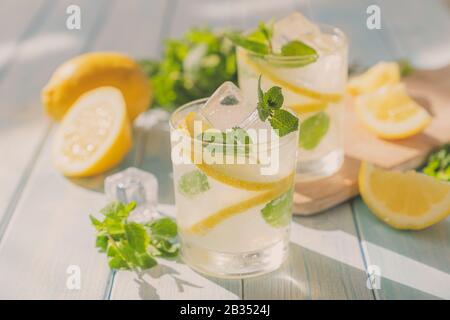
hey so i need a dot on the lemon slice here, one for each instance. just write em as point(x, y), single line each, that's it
point(94, 135)
point(203, 226)
point(381, 74)
point(391, 113)
point(221, 175)
point(303, 91)
point(404, 200)
point(309, 107)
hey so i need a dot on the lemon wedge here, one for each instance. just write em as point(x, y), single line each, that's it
point(391, 113)
point(407, 200)
point(94, 135)
point(381, 74)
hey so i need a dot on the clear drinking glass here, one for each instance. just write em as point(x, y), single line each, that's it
point(233, 218)
point(313, 90)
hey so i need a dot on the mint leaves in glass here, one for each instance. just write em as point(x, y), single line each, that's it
point(308, 62)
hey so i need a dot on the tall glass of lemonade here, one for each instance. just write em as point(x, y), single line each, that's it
point(309, 63)
point(234, 182)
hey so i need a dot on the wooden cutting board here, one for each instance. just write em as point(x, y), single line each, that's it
point(432, 90)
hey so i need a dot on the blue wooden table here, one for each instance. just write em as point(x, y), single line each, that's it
point(44, 228)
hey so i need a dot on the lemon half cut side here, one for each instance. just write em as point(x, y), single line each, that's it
point(94, 135)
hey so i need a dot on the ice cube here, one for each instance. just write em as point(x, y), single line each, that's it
point(136, 185)
point(294, 27)
point(227, 107)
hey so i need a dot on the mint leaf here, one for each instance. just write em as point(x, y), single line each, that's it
point(273, 98)
point(137, 236)
point(278, 212)
point(313, 129)
point(164, 228)
point(193, 183)
point(298, 48)
point(269, 107)
point(246, 43)
point(146, 261)
point(131, 245)
point(101, 242)
point(283, 122)
point(117, 263)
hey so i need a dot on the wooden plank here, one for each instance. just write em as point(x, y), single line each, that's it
point(20, 17)
point(324, 262)
point(47, 232)
point(413, 264)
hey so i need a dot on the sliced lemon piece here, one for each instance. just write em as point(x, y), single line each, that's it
point(203, 226)
point(391, 113)
point(379, 75)
point(303, 91)
point(309, 107)
point(407, 200)
point(94, 135)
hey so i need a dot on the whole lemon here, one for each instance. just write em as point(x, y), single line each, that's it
point(97, 69)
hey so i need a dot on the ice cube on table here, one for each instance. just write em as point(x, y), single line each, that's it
point(226, 108)
point(294, 27)
point(137, 185)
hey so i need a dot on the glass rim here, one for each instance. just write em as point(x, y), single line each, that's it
point(200, 101)
point(278, 58)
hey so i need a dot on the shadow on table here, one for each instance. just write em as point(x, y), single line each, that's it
point(149, 292)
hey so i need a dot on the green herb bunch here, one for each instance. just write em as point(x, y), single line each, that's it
point(131, 245)
point(260, 42)
point(191, 68)
point(438, 163)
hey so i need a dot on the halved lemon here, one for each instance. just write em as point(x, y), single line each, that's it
point(95, 134)
point(407, 200)
point(391, 113)
point(92, 70)
point(381, 74)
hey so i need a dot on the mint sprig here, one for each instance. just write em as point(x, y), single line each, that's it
point(269, 108)
point(131, 245)
point(261, 42)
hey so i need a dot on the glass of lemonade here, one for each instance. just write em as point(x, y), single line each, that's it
point(234, 200)
point(313, 86)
